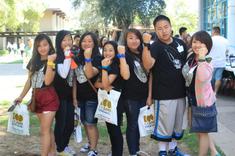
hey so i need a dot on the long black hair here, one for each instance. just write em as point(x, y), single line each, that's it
point(36, 63)
point(115, 45)
point(59, 51)
point(95, 50)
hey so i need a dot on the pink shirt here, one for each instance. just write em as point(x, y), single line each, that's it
point(205, 95)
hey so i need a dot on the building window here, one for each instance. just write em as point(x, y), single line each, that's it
point(215, 14)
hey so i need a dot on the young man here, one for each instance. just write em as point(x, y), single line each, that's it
point(183, 33)
point(165, 58)
point(218, 54)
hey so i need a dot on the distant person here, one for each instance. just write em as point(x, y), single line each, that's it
point(9, 47)
point(21, 48)
point(218, 54)
point(177, 36)
point(27, 52)
point(183, 34)
point(102, 41)
point(76, 41)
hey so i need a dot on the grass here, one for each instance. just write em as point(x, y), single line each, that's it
point(3, 52)
point(190, 139)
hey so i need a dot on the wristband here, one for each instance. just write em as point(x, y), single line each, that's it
point(107, 68)
point(88, 60)
point(120, 56)
point(51, 64)
point(201, 60)
point(147, 45)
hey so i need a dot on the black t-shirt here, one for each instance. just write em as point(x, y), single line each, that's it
point(115, 70)
point(168, 81)
point(134, 89)
point(63, 90)
point(84, 90)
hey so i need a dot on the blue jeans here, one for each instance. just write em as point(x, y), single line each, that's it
point(88, 109)
point(132, 109)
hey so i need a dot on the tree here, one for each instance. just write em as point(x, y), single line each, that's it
point(20, 15)
point(182, 15)
point(121, 13)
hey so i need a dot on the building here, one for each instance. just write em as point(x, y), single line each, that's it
point(53, 20)
point(218, 13)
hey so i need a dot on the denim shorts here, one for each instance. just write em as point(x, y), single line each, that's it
point(217, 73)
point(88, 109)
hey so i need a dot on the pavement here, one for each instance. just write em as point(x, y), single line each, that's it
point(225, 137)
point(13, 77)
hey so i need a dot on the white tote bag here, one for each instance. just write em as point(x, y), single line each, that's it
point(107, 105)
point(77, 125)
point(18, 122)
point(146, 120)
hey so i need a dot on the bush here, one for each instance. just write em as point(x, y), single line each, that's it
point(3, 52)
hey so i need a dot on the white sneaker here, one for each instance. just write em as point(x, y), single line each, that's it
point(70, 150)
point(92, 153)
point(64, 153)
point(85, 148)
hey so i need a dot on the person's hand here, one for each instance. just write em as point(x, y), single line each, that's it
point(75, 102)
point(51, 57)
point(149, 101)
point(106, 62)
point(87, 53)
point(146, 38)
point(203, 51)
point(67, 51)
point(121, 49)
point(18, 100)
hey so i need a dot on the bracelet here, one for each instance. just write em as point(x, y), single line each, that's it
point(121, 56)
point(107, 68)
point(88, 60)
point(147, 45)
point(201, 60)
point(51, 64)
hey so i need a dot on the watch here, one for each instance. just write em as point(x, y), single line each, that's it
point(147, 45)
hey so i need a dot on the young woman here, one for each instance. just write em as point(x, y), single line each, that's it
point(135, 90)
point(198, 73)
point(64, 124)
point(41, 75)
point(84, 94)
point(113, 70)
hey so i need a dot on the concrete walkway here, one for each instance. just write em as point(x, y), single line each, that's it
point(225, 138)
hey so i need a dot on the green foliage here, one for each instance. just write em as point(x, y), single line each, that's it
point(121, 13)
point(3, 52)
point(181, 15)
point(20, 15)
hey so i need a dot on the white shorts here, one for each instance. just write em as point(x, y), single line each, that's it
point(169, 119)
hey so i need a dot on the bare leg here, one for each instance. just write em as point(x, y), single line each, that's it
point(212, 147)
point(203, 144)
point(217, 85)
point(46, 120)
point(52, 151)
point(93, 136)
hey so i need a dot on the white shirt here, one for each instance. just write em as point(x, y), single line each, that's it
point(218, 51)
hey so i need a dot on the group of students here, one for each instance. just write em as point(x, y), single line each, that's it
point(144, 73)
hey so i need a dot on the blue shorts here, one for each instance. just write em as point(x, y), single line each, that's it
point(217, 74)
point(88, 109)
